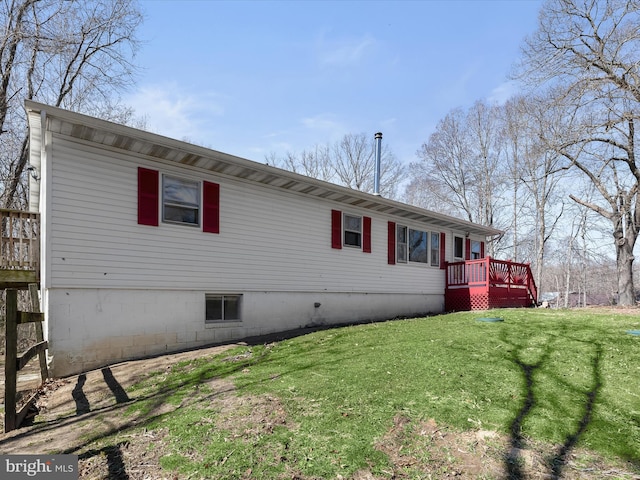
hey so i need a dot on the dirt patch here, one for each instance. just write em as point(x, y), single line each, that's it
point(427, 450)
point(76, 412)
point(83, 411)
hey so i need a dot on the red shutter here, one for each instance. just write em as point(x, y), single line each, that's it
point(148, 196)
point(467, 249)
point(210, 207)
point(336, 229)
point(391, 243)
point(443, 238)
point(481, 249)
point(366, 234)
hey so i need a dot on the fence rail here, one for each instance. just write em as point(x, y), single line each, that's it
point(14, 362)
point(19, 240)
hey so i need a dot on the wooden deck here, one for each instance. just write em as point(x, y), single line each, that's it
point(489, 283)
point(19, 248)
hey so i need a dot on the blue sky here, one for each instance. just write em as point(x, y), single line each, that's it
point(254, 77)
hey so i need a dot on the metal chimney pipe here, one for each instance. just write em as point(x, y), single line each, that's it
point(376, 178)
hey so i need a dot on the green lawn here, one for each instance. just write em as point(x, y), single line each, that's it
point(568, 378)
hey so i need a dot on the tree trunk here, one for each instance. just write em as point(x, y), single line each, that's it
point(624, 262)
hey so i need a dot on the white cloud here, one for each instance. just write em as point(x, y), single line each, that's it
point(170, 112)
point(389, 122)
point(322, 121)
point(343, 52)
point(503, 92)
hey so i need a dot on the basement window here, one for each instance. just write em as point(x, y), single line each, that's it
point(222, 308)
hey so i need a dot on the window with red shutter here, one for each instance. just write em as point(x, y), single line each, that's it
point(366, 234)
point(210, 207)
point(391, 243)
point(336, 229)
point(148, 196)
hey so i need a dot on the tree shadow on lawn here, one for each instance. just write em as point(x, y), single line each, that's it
point(160, 405)
point(84, 412)
point(557, 462)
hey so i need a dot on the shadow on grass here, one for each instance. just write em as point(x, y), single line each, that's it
point(156, 405)
point(557, 462)
point(516, 441)
point(119, 393)
point(82, 403)
point(84, 412)
point(115, 464)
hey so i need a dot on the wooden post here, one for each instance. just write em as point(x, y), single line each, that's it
point(35, 307)
point(11, 355)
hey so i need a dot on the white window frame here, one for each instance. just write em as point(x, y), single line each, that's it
point(196, 207)
point(426, 253)
point(223, 297)
point(434, 252)
point(462, 241)
point(405, 250)
point(473, 252)
point(346, 230)
point(406, 246)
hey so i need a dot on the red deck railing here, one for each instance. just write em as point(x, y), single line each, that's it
point(489, 283)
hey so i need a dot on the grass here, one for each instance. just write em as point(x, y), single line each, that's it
point(568, 378)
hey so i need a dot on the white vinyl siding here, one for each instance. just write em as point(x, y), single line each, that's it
point(269, 240)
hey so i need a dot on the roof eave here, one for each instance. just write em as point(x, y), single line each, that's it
point(111, 134)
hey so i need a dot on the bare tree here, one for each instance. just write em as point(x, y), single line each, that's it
point(72, 54)
point(536, 170)
point(444, 171)
point(349, 162)
point(516, 149)
point(353, 160)
point(314, 163)
point(461, 167)
point(590, 52)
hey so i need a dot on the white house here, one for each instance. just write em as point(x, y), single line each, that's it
point(152, 245)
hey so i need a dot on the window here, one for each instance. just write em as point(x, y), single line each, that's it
point(435, 249)
point(458, 248)
point(180, 200)
point(476, 250)
point(401, 244)
point(352, 230)
point(418, 246)
point(222, 308)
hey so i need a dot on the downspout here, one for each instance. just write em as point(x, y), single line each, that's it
point(376, 178)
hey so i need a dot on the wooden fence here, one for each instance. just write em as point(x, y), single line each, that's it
point(14, 362)
point(20, 245)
